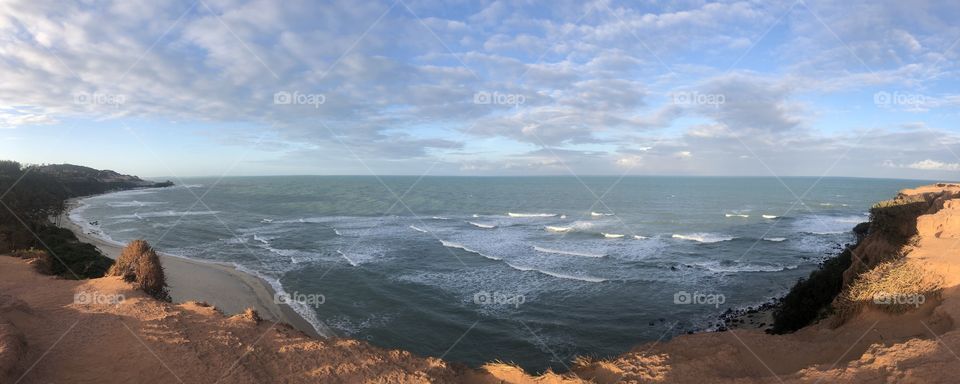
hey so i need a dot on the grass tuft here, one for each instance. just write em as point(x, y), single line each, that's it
point(893, 287)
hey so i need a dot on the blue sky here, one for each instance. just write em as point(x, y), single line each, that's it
point(214, 87)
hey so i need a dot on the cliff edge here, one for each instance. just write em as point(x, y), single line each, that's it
point(894, 320)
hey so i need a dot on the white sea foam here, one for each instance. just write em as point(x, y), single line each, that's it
point(480, 225)
point(737, 215)
point(416, 228)
point(267, 221)
point(344, 255)
point(142, 215)
point(827, 225)
point(300, 308)
point(450, 244)
point(597, 214)
point(135, 203)
point(569, 253)
point(575, 226)
point(261, 239)
point(612, 235)
point(638, 237)
point(265, 244)
point(439, 218)
point(588, 279)
point(511, 214)
point(715, 266)
point(770, 216)
point(775, 239)
point(703, 237)
point(76, 216)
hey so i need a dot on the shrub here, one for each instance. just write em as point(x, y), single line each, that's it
point(139, 263)
point(810, 299)
point(69, 258)
point(40, 260)
point(251, 314)
point(890, 279)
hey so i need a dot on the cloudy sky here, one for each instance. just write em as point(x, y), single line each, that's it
point(211, 87)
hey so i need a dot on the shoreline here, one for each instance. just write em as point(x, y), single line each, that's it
point(221, 285)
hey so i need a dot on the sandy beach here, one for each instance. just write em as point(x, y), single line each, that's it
point(221, 285)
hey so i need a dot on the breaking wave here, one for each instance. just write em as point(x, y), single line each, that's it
point(511, 214)
point(703, 237)
point(588, 279)
point(450, 244)
point(569, 253)
point(484, 226)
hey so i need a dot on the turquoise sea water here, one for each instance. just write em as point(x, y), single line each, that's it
point(529, 270)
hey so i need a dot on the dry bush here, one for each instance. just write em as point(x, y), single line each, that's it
point(124, 266)
point(252, 315)
point(893, 283)
point(140, 263)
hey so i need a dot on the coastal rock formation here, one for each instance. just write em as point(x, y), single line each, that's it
point(119, 334)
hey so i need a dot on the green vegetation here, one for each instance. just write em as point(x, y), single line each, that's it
point(82, 259)
point(31, 196)
point(809, 300)
point(892, 218)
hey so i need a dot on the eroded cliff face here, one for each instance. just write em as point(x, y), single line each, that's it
point(131, 341)
point(916, 235)
point(896, 224)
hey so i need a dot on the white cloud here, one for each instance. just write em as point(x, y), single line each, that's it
point(933, 165)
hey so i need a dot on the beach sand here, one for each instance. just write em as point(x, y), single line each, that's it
point(218, 284)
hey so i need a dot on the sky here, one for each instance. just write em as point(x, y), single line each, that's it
point(417, 87)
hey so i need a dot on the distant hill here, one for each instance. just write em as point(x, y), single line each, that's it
point(80, 180)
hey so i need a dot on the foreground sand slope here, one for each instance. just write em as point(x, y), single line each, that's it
point(45, 337)
point(141, 340)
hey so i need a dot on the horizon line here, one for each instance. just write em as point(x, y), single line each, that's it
point(570, 176)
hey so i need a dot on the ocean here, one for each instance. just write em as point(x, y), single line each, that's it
point(533, 270)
